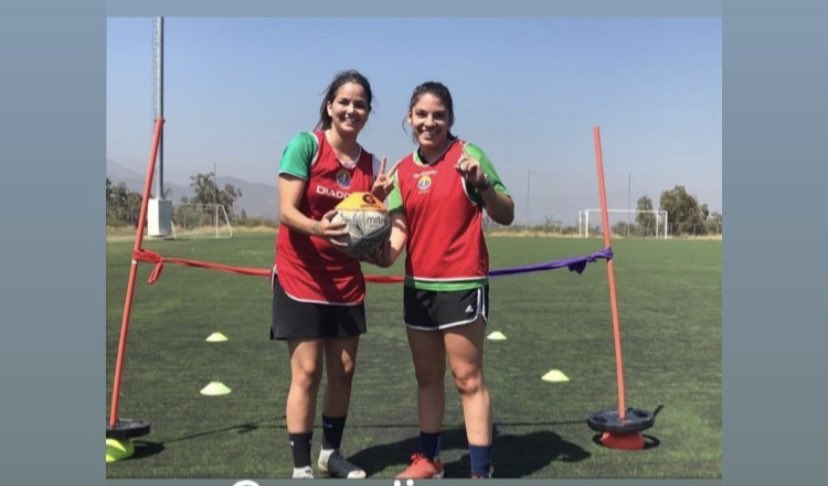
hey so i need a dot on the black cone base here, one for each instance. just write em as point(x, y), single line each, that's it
point(127, 428)
point(635, 420)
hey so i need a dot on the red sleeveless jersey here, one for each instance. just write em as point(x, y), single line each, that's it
point(445, 227)
point(309, 268)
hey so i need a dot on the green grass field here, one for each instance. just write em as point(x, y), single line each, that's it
point(669, 295)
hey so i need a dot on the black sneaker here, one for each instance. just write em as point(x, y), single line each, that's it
point(338, 467)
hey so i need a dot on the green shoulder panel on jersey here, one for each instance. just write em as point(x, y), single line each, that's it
point(298, 155)
point(477, 153)
point(394, 201)
point(445, 285)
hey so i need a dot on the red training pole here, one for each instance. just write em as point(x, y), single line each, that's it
point(616, 329)
point(133, 270)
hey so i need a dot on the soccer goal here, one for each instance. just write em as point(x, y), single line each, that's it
point(624, 222)
point(200, 221)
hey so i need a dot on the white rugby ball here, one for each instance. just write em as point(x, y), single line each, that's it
point(367, 221)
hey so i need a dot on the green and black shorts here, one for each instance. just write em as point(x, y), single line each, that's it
point(430, 310)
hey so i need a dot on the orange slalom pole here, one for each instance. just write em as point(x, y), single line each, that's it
point(616, 328)
point(133, 271)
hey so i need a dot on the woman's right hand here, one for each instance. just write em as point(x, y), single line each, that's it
point(331, 230)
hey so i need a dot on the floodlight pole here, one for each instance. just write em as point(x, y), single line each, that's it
point(159, 211)
point(133, 272)
point(158, 56)
point(629, 198)
point(528, 189)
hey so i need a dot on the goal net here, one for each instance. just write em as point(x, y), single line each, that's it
point(627, 223)
point(200, 221)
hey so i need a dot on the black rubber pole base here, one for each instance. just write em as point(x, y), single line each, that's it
point(635, 420)
point(127, 428)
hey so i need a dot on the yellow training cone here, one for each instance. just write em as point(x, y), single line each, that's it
point(496, 336)
point(216, 337)
point(555, 376)
point(215, 388)
point(118, 449)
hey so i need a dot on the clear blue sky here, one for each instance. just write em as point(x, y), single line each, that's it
point(527, 90)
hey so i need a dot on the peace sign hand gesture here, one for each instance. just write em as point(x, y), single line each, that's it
point(384, 182)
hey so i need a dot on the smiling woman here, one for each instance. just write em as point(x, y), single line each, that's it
point(318, 290)
point(440, 194)
point(344, 112)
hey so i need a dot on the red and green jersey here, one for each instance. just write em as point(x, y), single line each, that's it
point(309, 268)
point(445, 249)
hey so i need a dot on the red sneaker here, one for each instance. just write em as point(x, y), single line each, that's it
point(423, 468)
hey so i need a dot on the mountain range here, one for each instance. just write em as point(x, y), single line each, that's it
point(257, 200)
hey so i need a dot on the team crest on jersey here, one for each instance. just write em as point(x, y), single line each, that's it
point(424, 183)
point(343, 178)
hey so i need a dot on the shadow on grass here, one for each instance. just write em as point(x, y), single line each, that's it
point(239, 429)
point(513, 456)
point(145, 448)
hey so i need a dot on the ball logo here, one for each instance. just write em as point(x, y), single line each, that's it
point(424, 183)
point(367, 222)
point(343, 178)
point(374, 220)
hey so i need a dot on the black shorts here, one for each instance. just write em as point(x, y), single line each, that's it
point(303, 320)
point(430, 310)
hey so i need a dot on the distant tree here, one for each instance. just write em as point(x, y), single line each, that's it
point(683, 210)
point(551, 224)
point(122, 205)
point(705, 211)
point(645, 220)
point(205, 191)
point(622, 228)
point(714, 223)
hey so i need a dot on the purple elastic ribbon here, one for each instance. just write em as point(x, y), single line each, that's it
point(577, 264)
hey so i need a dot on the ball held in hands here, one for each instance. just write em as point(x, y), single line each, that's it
point(367, 221)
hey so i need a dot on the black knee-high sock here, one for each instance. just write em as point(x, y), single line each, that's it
point(430, 444)
point(332, 428)
point(300, 446)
